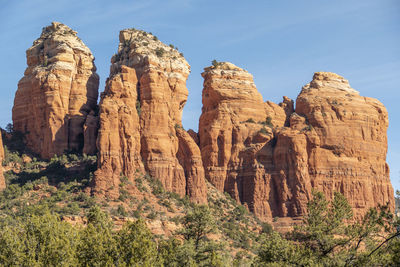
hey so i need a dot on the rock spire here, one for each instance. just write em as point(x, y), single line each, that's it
point(141, 119)
point(57, 93)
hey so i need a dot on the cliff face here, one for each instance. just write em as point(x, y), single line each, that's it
point(58, 91)
point(346, 142)
point(270, 156)
point(267, 156)
point(119, 133)
point(144, 99)
point(236, 136)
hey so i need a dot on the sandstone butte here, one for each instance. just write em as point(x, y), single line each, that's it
point(57, 93)
point(267, 156)
point(270, 157)
point(140, 127)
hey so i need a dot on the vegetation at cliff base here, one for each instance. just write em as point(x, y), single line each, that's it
point(38, 236)
point(47, 218)
point(330, 236)
point(41, 238)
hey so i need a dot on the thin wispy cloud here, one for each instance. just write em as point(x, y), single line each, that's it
point(255, 29)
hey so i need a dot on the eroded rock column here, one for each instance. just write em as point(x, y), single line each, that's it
point(346, 143)
point(236, 137)
point(270, 157)
point(58, 91)
point(153, 77)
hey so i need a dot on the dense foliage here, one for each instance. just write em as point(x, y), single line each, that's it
point(41, 194)
point(330, 236)
point(42, 239)
point(327, 238)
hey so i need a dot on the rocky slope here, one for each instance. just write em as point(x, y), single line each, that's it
point(58, 91)
point(270, 156)
point(144, 99)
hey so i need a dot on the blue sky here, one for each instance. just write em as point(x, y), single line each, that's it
point(282, 43)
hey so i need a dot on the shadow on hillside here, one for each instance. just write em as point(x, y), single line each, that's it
point(71, 166)
point(54, 172)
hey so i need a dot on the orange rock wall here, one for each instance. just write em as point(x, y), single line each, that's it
point(119, 133)
point(236, 136)
point(347, 152)
point(156, 90)
point(270, 157)
point(267, 156)
point(58, 91)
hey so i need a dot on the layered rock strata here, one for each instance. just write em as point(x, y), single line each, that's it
point(140, 119)
point(343, 147)
point(270, 157)
point(58, 91)
point(267, 156)
point(237, 136)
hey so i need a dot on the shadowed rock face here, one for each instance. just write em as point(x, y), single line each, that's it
point(140, 119)
point(119, 133)
point(56, 94)
point(269, 157)
point(2, 180)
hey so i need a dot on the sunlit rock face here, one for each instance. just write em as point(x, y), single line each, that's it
point(57, 93)
point(237, 137)
point(141, 119)
point(270, 157)
point(346, 144)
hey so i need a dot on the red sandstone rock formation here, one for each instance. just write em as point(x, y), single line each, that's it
point(143, 100)
point(236, 136)
point(267, 156)
point(335, 141)
point(2, 180)
point(58, 91)
point(341, 145)
point(119, 133)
